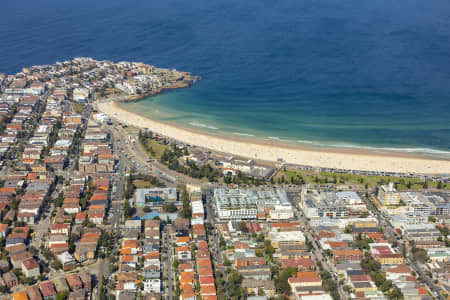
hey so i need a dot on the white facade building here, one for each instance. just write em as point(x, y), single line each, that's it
point(239, 204)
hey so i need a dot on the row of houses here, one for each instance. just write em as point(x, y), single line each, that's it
point(75, 285)
point(140, 260)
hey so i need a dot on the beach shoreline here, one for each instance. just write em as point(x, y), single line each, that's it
point(272, 151)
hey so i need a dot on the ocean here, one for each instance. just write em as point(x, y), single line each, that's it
point(326, 73)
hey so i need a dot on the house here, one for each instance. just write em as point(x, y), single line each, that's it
point(250, 261)
point(78, 295)
point(48, 290)
point(305, 279)
point(208, 290)
point(86, 278)
point(74, 282)
point(302, 264)
point(183, 253)
point(30, 267)
point(390, 258)
point(67, 260)
point(96, 218)
point(131, 225)
point(130, 260)
point(187, 293)
point(10, 279)
point(85, 252)
point(256, 272)
point(152, 285)
point(61, 285)
point(4, 266)
point(207, 281)
point(181, 226)
point(80, 217)
point(153, 296)
point(16, 259)
point(33, 293)
point(3, 230)
point(60, 228)
point(347, 255)
point(183, 241)
point(20, 296)
point(253, 286)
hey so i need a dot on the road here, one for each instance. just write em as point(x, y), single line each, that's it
point(389, 232)
point(317, 252)
point(169, 284)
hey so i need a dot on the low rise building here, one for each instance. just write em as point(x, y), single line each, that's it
point(240, 204)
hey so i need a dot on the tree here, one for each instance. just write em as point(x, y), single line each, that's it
point(56, 265)
point(42, 277)
point(369, 264)
point(127, 212)
point(260, 238)
point(396, 294)
point(28, 281)
point(386, 286)
point(233, 284)
point(269, 250)
point(281, 282)
point(175, 264)
point(419, 254)
point(187, 211)
point(242, 226)
point(348, 229)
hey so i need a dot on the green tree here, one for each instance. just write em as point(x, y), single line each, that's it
point(187, 211)
point(242, 226)
point(419, 254)
point(281, 282)
point(127, 212)
point(233, 284)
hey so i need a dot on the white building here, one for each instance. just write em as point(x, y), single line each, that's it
point(286, 238)
point(317, 205)
point(439, 254)
point(80, 94)
point(282, 212)
point(238, 204)
point(152, 285)
point(388, 195)
point(101, 117)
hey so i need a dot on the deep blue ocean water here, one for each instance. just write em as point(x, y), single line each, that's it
point(332, 72)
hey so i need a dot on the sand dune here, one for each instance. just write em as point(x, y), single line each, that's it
point(270, 151)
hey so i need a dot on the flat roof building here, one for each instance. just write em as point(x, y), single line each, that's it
point(239, 204)
point(317, 204)
point(155, 196)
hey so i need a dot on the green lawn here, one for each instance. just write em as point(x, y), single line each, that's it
point(402, 183)
point(156, 147)
point(291, 175)
point(372, 181)
point(142, 184)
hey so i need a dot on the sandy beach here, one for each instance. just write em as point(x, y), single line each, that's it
point(345, 159)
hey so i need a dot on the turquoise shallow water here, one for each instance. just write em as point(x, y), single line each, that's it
point(369, 74)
